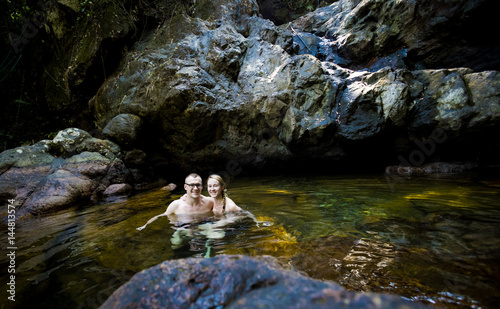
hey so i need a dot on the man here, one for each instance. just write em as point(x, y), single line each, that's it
point(194, 203)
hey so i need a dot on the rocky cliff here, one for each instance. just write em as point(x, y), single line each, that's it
point(362, 83)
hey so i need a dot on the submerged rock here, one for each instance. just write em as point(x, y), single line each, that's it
point(169, 187)
point(236, 281)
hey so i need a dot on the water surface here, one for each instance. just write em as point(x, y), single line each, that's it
point(430, 239)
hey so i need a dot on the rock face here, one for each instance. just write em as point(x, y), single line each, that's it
point(430, 34)
point(376, 75)
point(238, 282)
point(94, 34)
point(53, 174)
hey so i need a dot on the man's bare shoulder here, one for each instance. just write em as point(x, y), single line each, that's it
point(176, 202)
point(206, 199)
point(173, 206)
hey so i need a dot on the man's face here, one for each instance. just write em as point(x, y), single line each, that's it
point(193, 186)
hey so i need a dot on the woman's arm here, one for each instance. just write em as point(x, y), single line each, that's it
point(231, 205)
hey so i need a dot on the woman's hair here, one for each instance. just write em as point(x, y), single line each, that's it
point(223, 184)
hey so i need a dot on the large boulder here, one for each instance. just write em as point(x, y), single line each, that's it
point(232, 87)
point(123, 129)
point(236, 281)
point(53, 174)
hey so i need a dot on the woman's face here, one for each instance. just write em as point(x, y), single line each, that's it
point(214, 188)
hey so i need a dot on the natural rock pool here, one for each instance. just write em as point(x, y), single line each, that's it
point(433, 239)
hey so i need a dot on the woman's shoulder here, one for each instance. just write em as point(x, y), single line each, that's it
point(229, 201)
point(231, 205)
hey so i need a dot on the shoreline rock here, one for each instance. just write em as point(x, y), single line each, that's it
point(119, 188)
point(53, 174)
point(430, 168)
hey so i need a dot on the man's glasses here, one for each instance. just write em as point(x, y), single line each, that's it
point(197, 185)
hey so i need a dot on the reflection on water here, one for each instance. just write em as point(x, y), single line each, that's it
point(431, 239)
point(201, 235)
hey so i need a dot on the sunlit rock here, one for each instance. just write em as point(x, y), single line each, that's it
point(230, 87)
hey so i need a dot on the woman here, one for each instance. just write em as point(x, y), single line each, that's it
point(217, 190)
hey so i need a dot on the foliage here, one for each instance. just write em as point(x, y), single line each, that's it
point(17, 10)
point(87, 8)
point(309, 5)
point(25, 117)
point(31, 74)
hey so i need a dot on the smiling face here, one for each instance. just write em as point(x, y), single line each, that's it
point(214, 188)
point(193, 186)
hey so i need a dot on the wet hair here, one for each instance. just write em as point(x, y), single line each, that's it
point(194, 175)
point(223, 184)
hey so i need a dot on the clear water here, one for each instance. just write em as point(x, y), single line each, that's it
point(429, 239)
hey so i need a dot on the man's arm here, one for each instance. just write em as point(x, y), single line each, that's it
point(149, 221)
point(209, 201)
point(170, 210)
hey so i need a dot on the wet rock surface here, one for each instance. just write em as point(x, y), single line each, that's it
point(235, 281)
point(237, 87)
point(421, 34)
point(116, 189)
point(54, 174)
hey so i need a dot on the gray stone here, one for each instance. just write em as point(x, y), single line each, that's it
point(236, 281)
point(116, 189)
point(54, 174)
point(67, 140)
point(124, 129)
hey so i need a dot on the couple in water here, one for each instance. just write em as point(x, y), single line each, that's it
point(194, 203)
